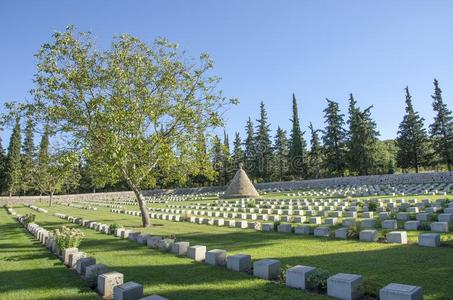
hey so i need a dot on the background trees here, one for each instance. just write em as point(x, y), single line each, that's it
point(412, 139)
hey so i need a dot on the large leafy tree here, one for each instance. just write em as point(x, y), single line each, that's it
point(362, 139)
point(13, 161)
point(334, 139)
point(315, 156)
point(412, 139)
point(263, 146)
point(281, 149)
point(297, 145)
point(133, 103)
point(28, 156)
point(441, 129)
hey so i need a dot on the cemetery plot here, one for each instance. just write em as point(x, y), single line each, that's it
point(380, 264)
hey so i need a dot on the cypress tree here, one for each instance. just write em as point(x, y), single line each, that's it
point(334, 139)
point(412, 139)
point(441, 129)
point(315, 156)
point(238, 153)
point(28, 156)
point(281, 151)
point(297, 145)
point(263, 146)
point(13, 161)
point(203, 172)
point(43, 161)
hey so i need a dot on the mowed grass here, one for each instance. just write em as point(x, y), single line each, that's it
point(179, 278)
point(29, 271)
point(165, 274)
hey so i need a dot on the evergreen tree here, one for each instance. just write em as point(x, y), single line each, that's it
point(217, 159)
point(334, 139)
point(2, 168)
point(441, 129)
point(362, 139)
point(13, 161)
point(315, 156)
point(281, 151)
point(412, 139)
point(263, 146)
point(249, 149)
point(28, 157)
point(297, 146)
point(238, 153)
point(43, 161)
point(226, 159)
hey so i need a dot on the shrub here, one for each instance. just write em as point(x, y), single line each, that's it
point(353, 232)
point(67, 237)
point(318, 280)
point(425, 226)
point(251, 203)
point(29, 218)
point(113, 227)
point(372, 206)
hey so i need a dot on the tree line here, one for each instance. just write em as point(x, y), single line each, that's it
point(136, 117)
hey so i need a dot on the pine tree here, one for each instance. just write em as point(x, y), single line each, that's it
point(412, 138)
point(28, 157)
point(249, 149)
point(297, 146)
point(281, 151)
point(238, 153)
point(43, 161)
point(263, 146)
point(334, 139)
point(362, 139)
point(441, 129)
point(13, 161)
point(315, 156)
point(226, 159)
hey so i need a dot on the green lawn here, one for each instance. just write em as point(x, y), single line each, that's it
point(180, 278)
point(29, 271)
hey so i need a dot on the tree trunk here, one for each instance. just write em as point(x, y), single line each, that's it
point(50, 199)
point(143, 208)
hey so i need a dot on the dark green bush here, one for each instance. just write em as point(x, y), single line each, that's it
point(318, 280)
point(113, 227)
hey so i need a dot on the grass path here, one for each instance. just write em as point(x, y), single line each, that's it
point(379, 263)
point(29, 271)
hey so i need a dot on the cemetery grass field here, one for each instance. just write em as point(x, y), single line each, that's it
point(181, 278)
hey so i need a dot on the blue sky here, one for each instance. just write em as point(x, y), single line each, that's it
point(264, 50)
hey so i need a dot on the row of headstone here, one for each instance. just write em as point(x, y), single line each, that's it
point(34, 207)
point(340, 286)
point(109, 284)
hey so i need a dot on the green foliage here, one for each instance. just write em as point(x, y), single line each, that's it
point(263, 147)
point(251, 203)
point(315, 156)
point(238, 153)
point(281, 152)
point(412, 139)
point(276, 223)
point(297, 146)
point(318, 280)
point(334, 139)
point(29, 218)
point(353, 232)
point(28, 157)
point(113, 227)
point(13, 161)
point(441, 129)
point(68, 237)
point(372, 206)
point(362, 139)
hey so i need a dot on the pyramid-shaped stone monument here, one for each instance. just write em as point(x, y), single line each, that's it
point(240, 186)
